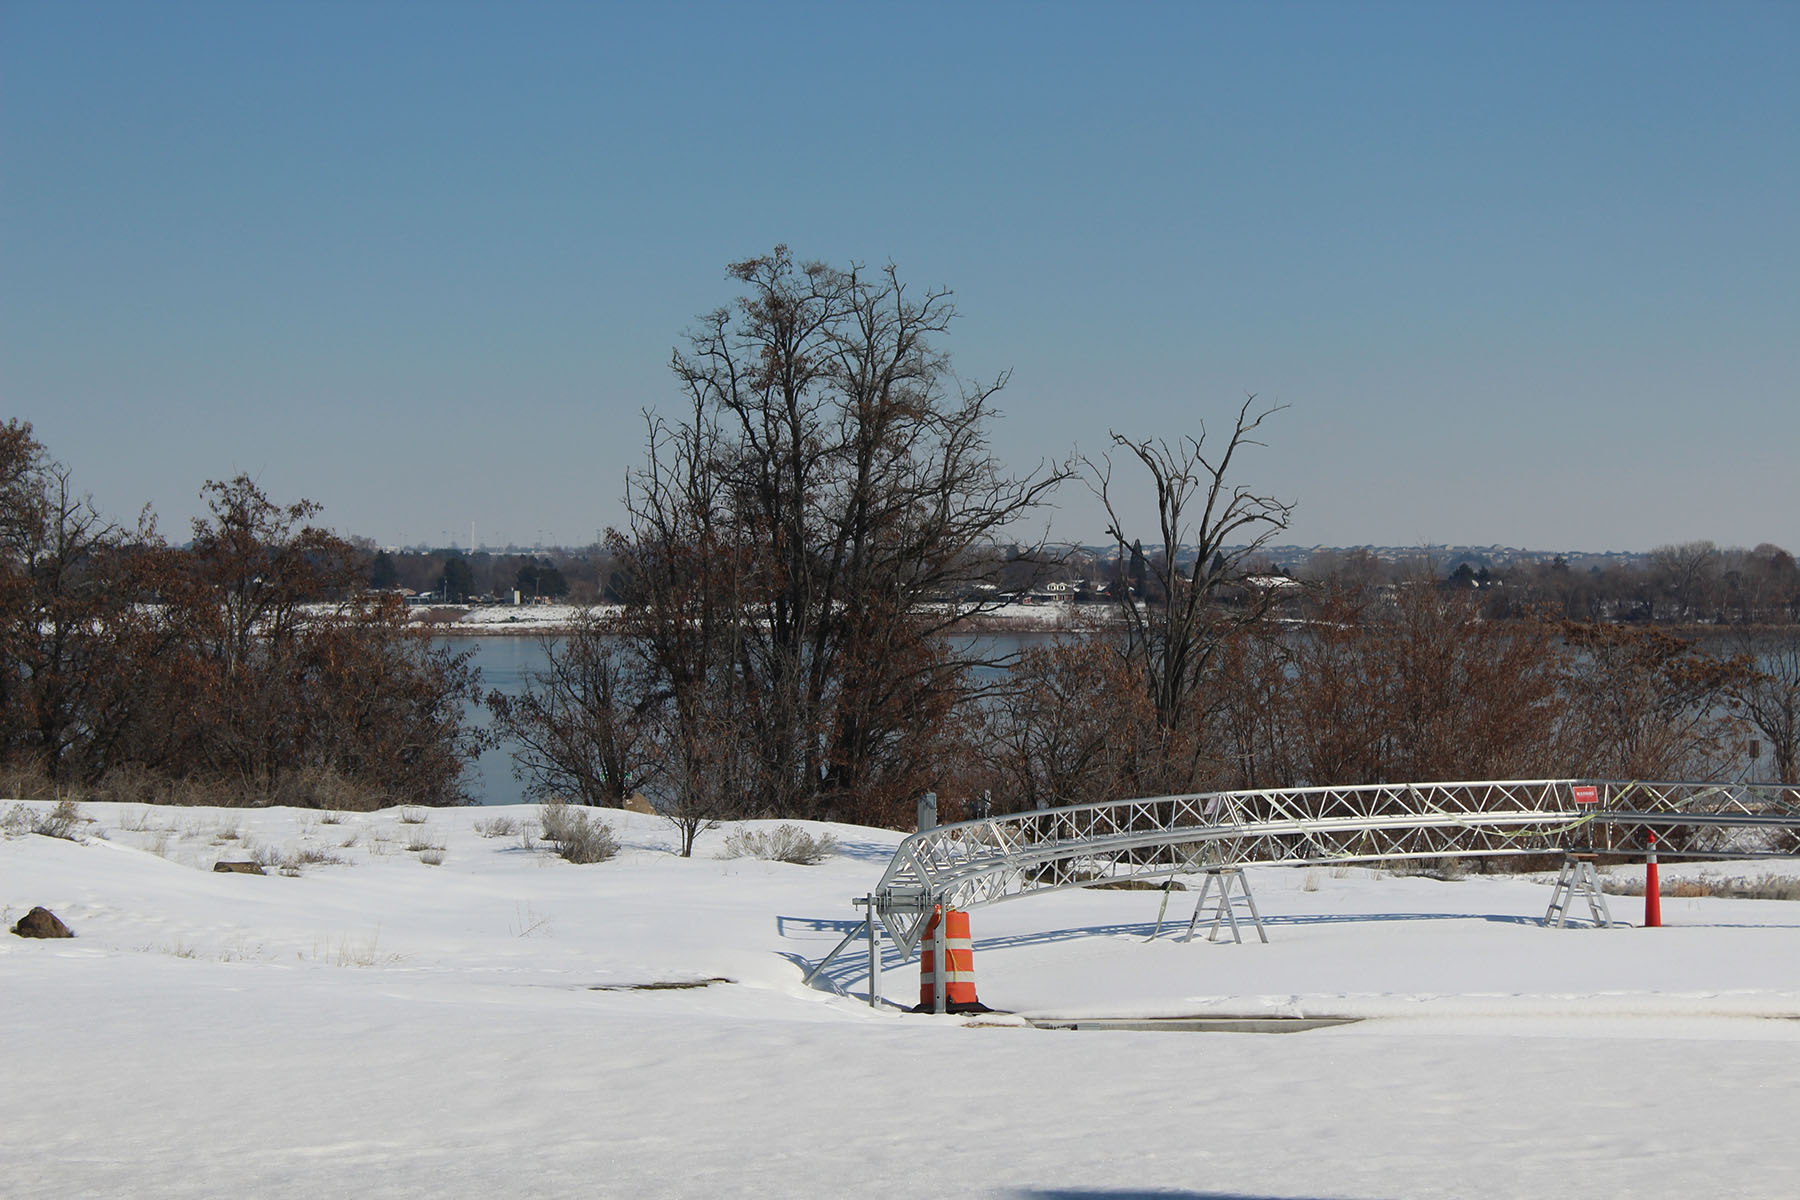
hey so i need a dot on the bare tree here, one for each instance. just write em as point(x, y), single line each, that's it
point(1768, 696)
point(582, 728)
point(1771, 584)
point(1686, 573)
point(1070, 725)
point(1645, 704)
point(1174, 634)
point(801, 541)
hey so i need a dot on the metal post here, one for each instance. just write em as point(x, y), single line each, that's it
point(1206, 887)
point(940, 948)
point(1163, 910)
point(874, 925)
point(1227, 910)
point(1244, 883)
point(819, 967)
point(928, 817)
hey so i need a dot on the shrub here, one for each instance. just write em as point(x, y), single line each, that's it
point(589, 842)
point(16, 822)
point(555, 818)
point(63, 821)
point(1444, 870)
point(577, 838)
point(318, 788)
point(58, 823)
point(298, 787)
point(25, 781)
point(784, 843)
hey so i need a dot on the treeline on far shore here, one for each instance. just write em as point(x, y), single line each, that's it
point(1696, 584)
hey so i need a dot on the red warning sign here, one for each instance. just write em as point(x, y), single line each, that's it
point(1588, 794)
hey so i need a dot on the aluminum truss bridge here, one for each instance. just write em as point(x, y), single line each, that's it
point(974, 863)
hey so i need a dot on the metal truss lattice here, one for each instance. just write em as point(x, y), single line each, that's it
point(974, 863)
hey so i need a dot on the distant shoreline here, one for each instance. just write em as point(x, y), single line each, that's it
point(505, 620)
point(1045, 618)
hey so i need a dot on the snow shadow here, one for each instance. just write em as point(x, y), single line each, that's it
point(1171, 925)
point(852, 963)
point(799, 926)
point(1174, 930)
point(877, 852)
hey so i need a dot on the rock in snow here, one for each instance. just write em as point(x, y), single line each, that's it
point(41, 923)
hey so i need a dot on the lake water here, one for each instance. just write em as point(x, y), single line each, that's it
point(505, 661)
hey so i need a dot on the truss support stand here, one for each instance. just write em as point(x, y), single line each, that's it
point(1163, 910)
point(870, 928)
point(1222, 882)
point(1577, 879)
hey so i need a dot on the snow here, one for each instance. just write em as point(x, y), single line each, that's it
point(519, 618)
point(1014, 616)
point(383, 1027)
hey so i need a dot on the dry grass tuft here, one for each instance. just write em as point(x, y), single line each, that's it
point(1735, 887)
point(498, 827)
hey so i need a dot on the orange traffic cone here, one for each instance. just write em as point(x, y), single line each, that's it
point(959, 965)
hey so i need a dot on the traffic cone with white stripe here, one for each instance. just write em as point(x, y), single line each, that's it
point(958, 966)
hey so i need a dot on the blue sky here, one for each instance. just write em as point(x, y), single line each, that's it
point(1523, 274)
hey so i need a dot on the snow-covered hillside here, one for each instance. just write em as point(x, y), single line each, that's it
point(378, 1026)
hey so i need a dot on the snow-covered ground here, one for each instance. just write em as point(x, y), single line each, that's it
point(521, 618)
point(549, 618)
point(385, 1027)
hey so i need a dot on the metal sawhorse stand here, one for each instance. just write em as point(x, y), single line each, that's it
point(1577, 878)
point(1222, 881)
